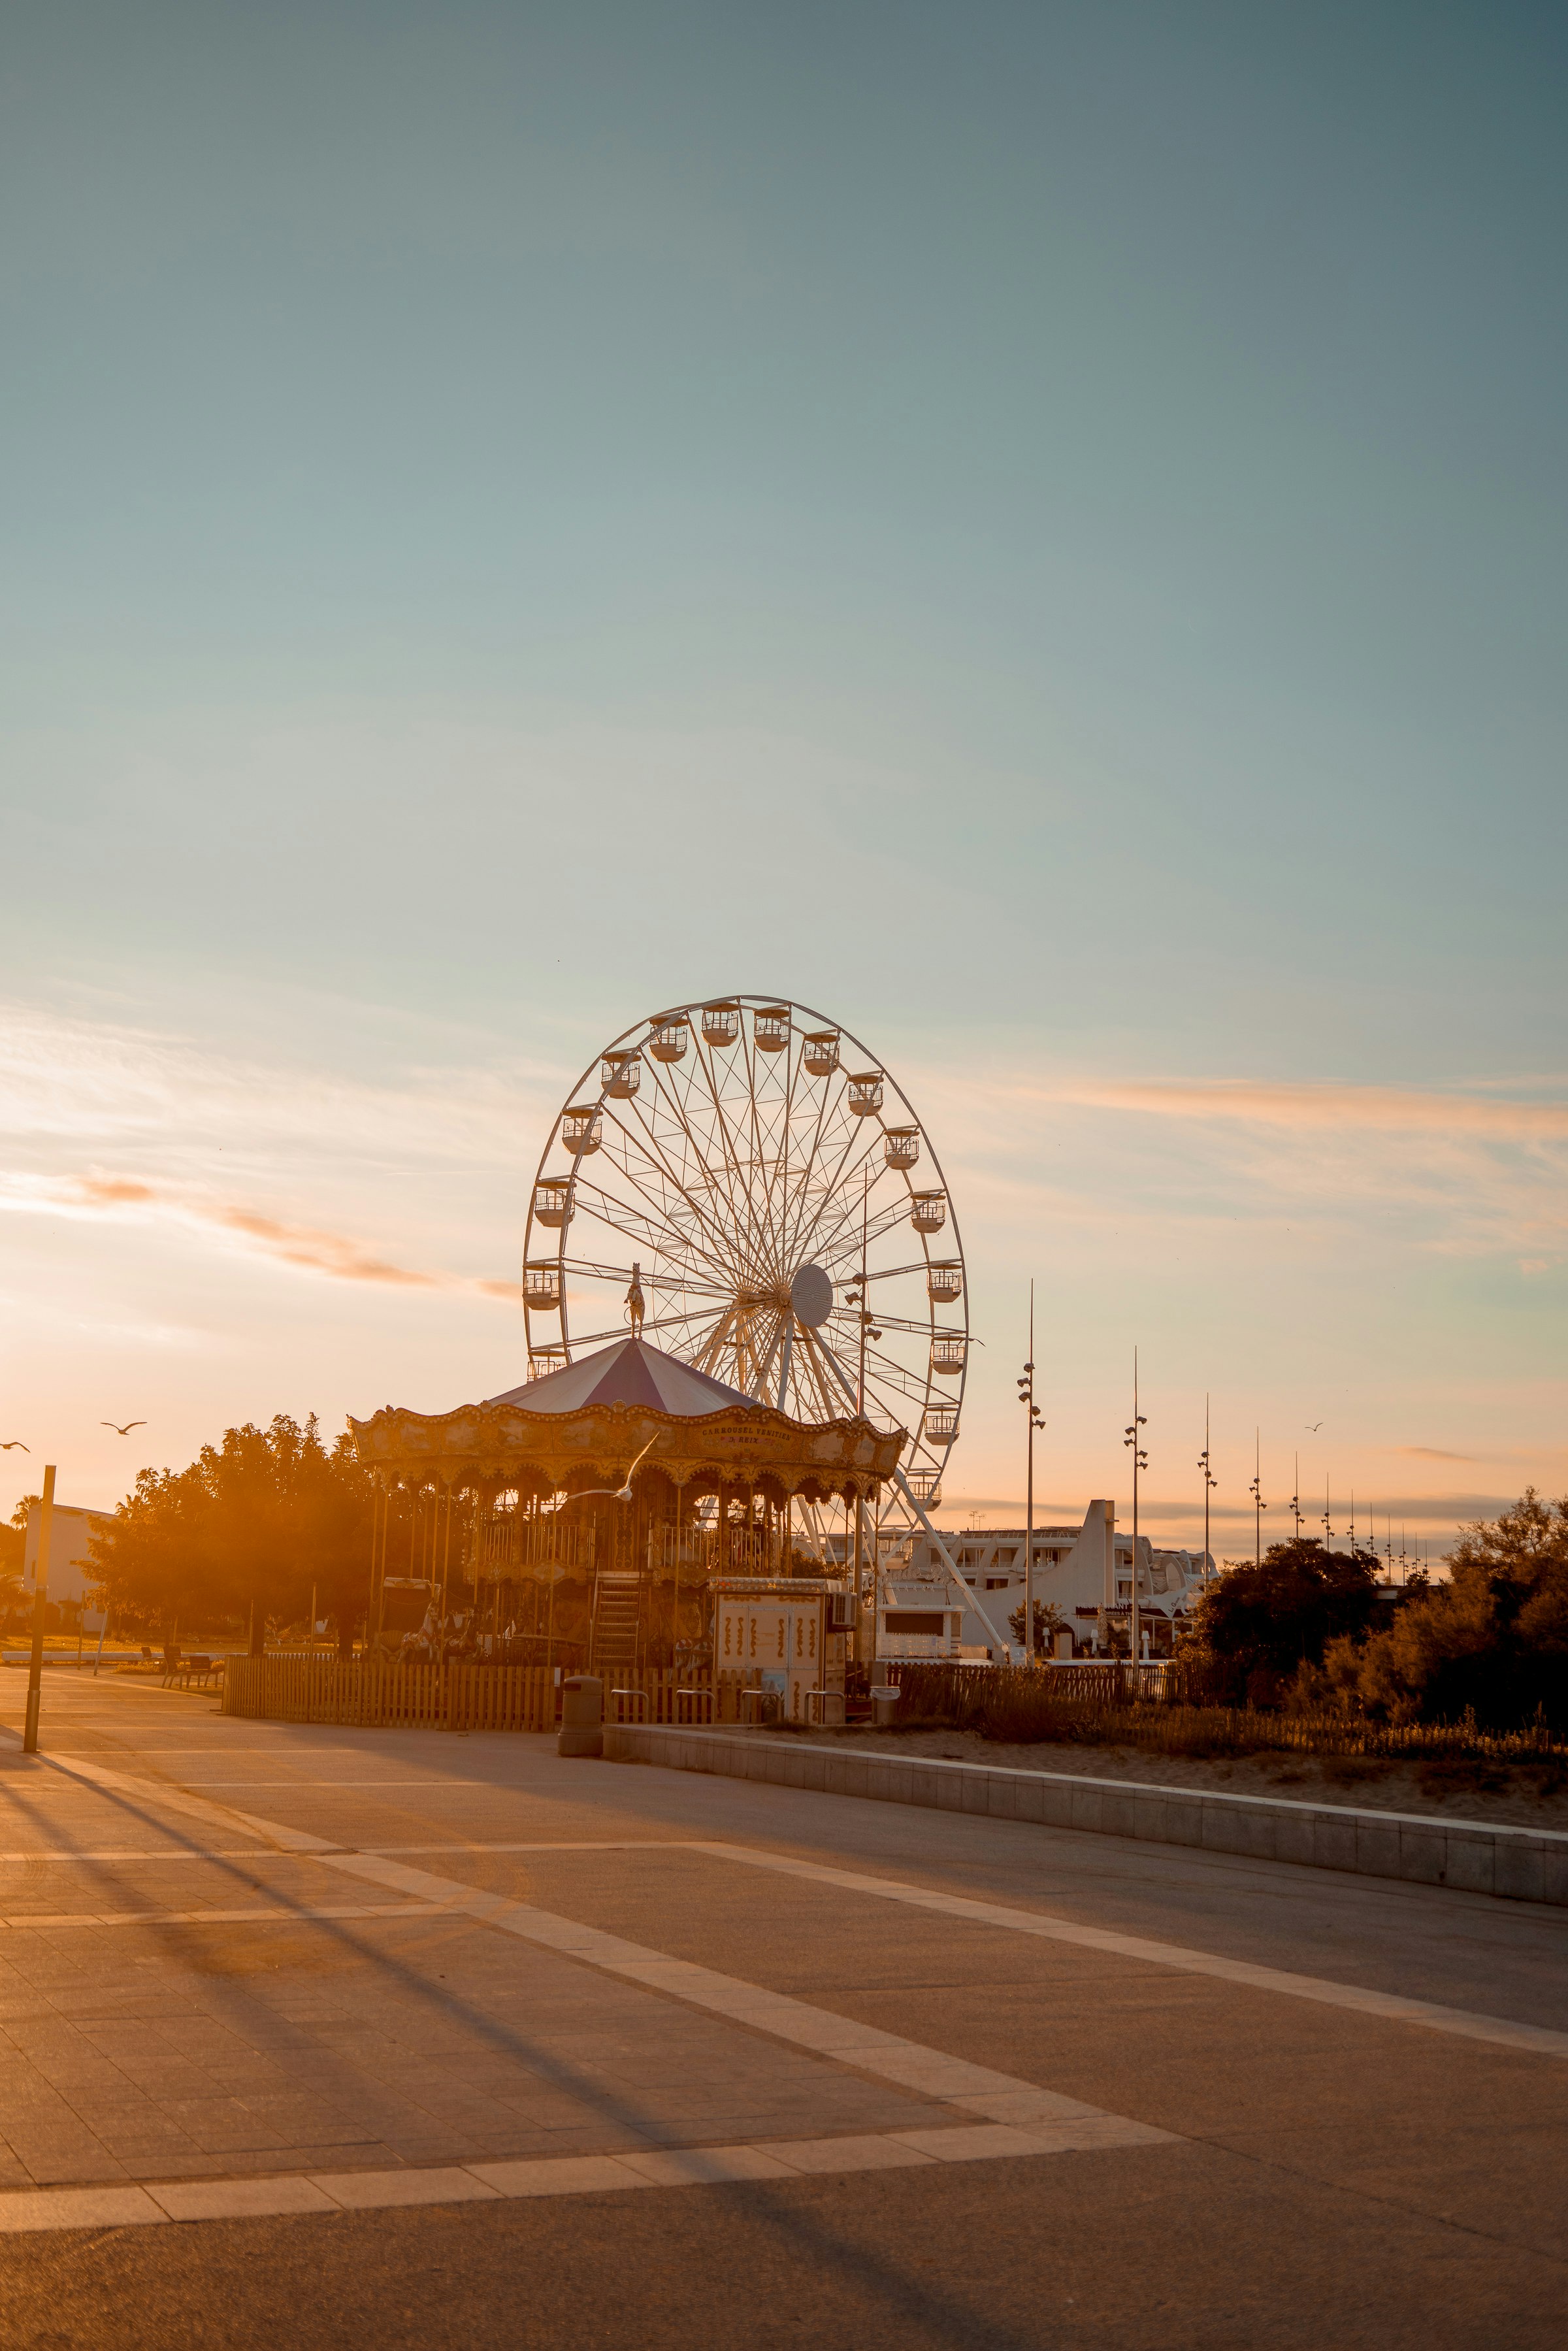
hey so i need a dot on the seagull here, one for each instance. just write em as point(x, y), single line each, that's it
point(617, 1493)
point(126, 1430)
point(11, 1443)
point(1312, 1426)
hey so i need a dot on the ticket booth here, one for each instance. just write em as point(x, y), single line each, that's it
point(787, 1640)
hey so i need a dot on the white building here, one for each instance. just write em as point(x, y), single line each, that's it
point(1084, 1574)
point(70, 1564)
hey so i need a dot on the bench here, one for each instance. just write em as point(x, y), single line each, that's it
point(194, 1672)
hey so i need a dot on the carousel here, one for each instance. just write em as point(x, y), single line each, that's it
point(628, 1513)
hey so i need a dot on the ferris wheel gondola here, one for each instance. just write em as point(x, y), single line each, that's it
point(755, 1180)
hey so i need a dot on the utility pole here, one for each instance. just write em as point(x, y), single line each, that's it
point(1026, 1398)
point(1140, 1461)
point(40, 1601)
point(1209, 1482)
point(1258, 1504)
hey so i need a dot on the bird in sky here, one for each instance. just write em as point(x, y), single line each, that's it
point(126, 1430)
point(616, 1493)
point(1313, 1425)
point(11, 1443)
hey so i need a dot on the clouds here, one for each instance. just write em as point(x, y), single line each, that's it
point(1322, 1108)
point(355, 1184)
point(1457, 1171)
point(305, 1247)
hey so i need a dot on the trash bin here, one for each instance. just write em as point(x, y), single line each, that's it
point(883, 1705)
point(581, 1716)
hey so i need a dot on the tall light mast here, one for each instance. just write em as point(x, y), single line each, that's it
point(1026, 1398)
point(1140, 1461)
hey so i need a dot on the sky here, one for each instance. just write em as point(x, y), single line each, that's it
point(1038, 531)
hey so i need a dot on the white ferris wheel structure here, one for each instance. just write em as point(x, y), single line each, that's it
point(745, 1183)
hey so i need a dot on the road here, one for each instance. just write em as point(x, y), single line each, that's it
point(381, 2039)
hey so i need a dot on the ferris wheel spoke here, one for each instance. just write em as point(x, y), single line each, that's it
point(841, 1235)
point(660, 1200)
point(650, 1232)
point(880, 1366)
point(655, 1152)
point(710, 1351)
point(830, 1404)
point(654, 1322)
point(734, 1181)
point(719, 1181)
point(589, 1271)
point(841, 1196)
point(882, 1372)
point(794, 1244)
point(656, 1230)
point(892, 1273)
point(837, 1387)
point(758, 1147)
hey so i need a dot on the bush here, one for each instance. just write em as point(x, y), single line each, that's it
point(1260, 1624)
point(1491, 1642)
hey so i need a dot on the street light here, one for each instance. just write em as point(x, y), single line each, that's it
point(1140, 1461)
point(1209, 1482)
point(1026, 1398)
point(40, 1605)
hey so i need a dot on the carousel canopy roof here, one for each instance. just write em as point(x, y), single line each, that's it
point(626, 1371)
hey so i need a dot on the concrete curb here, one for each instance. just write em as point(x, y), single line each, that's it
point(1520, 1864)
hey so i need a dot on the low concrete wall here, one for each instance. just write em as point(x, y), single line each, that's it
point(1524, 1864)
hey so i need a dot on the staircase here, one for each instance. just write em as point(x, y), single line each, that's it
point(612, 1639)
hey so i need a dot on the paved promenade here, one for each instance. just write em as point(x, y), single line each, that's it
point(340, 2038)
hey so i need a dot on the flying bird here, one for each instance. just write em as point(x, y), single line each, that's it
point(617, 1493)
point(126, 1430)
point(1313, 1426)
point(11, 1443)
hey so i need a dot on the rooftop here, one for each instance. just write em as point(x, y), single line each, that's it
point(626, 1371)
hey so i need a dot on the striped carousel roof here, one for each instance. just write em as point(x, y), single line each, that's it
point(627, 1371)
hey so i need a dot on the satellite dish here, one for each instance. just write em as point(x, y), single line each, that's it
point(812, 1296)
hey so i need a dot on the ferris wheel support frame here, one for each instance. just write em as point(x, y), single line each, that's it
point(971, 1597)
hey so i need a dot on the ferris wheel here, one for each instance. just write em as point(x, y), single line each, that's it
point(742, 1181)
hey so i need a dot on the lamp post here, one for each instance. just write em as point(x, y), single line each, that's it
point(1258, 1504)
point(40, 1603)
point(1140, 1461)
point(1026, 1398)
point(1209, 1482)
point(858, 1298)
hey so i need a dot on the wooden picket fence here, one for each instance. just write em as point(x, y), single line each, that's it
point(375, 1694)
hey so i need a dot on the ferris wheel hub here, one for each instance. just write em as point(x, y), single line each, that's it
point(812, 1296)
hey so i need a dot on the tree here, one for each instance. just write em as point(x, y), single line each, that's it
point(1493, 1639)
point(149, 1563)
point(1259, 1623)
point(12, 1558)
point(244, 1535)
point(1049, 1621)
